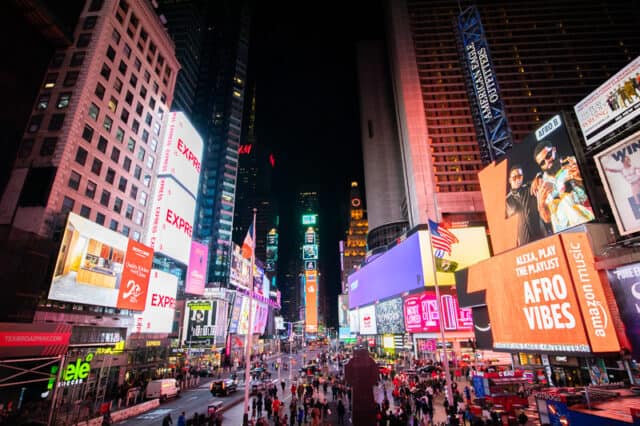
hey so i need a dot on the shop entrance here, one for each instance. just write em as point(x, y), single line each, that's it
point(566, 376)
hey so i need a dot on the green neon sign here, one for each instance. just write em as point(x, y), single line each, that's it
point(309, 219)
point(75, 373)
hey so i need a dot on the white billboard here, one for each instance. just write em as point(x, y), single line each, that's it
point(611, 105)
point(367, 319)
point(354, 320)
point(171, 225)
point(159, 311)
point(619, 168)
point(181, 155)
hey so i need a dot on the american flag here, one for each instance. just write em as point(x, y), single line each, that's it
point(441, 239)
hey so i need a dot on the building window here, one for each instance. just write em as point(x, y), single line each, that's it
point(152, 103)
point(127, 50)
point(77, 59)
point(146, 180)
point(131, 145)
point(115, 155)
point(110, 176)
point(143, 198)
point(137, 172)
point(156, 129)
point(81, 156)
point(89, 22)
point(113, 225)
point(95, 5)
point(138, 217)
point(108, 123)
point(63, 100)
point(100, 219)
point(94, 111)
point(57, 60)
point(147, 77)
point(119, 134)
point(87, 133)
point(125, 230)
point(105, 71)
point(115, 36)
point(111, 53)
point(124, 115)
point(143, 92)
point(67, 204)
point(129, 212)
point(117, 205)
point(85, 211)
point(113, 104)
point(26, 147)
point(84, 40)
point(136, 236)
point(102, 144)
point(126, 164)
point(50, 80)
point(56, 122)
point(43, 102)
point(160, 113)
point(117, 85)
point(139, 109)
point(48, 146)
point(135, 126)
point(133, 80)
point(34, 124)
point(122, 68)
point(150, 161)
point(99, 92)
point(74, 180)
point(128, 98)
point(154, 144)
point(90, 191)
point(133, 193)
point(145, 136)
point(141, 153)
point(122, 184)
point(105, 197)
point(137, 64)
point(96, 167)
point(163, 98)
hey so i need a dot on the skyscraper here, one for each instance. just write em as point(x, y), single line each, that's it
point(355, 247)
point(547, 56)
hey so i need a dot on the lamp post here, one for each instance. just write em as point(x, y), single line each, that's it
point(249, 338)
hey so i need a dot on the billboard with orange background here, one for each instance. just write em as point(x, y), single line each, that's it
point(311, 301)
point(546, 296)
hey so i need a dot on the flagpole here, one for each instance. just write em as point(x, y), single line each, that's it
point(249, 337)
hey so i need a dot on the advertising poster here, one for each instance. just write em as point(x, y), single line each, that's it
point(619, 168)
point(611, 105)
point(97, 266)
point(240, 271)
point(421, 313)
point(543, 190)
point(310, 252)
point(200, 319)
point(343, 310)
point(354, 321)
point(311, 302)
point(235, 313)
point(260, 312)
point(197, 271)
point(367, 320)
point(538, 295)
point(171, 225)
point(30, 340)
point(625, 283)
point(389, 317)
point(181, 154)
point(158, 314)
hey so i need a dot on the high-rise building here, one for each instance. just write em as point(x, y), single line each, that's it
point(91, 142)
point(355, 246)
point(547, 56)
point(386, 201)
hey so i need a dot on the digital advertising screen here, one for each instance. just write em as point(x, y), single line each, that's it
point(619, 168)
point(421, 312)
point(197, 270)
point(389, 318)
point(158, 314)
point(310, 252)
point(171, 225)
point(200, 320)
point(546, 296)
point(343, 310)
point(610, 106)
point(354, 321)
point(367, 320)
point(625, 283)
point(240, 272)
point(181, 154)
point(97, 266)
point(537, 190)
point(311, 302)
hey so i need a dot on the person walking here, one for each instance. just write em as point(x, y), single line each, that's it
point(182, 420)
point(341, 411)
point(167, 420)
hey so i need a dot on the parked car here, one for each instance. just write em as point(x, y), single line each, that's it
point(223, 387)
point(162, 389)
point(258, 386)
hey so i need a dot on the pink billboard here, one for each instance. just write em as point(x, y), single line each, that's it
point(197, 272)
point(421, 313)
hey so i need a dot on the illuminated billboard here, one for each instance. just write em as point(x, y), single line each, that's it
point(367, 320)
point(171, 224)
point(205, 320)
point(343, 310)
point(309, 219)
point(181, 154)
point(536, 191)
point(240, 272)
point(158, 314)
point(382, 278)
point(197, 271)
point(624, 282)
point(260, 312)
point(310, 252)
point(311, 302)
point(389, 318)
point(421, 313)
point(354, 321)
point(619, 168)
point(610, 106)
point(97, 266)
point(546, 296)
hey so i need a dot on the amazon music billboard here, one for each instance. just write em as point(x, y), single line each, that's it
point(97, 266)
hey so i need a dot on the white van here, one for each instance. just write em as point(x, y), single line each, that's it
point(163, 389)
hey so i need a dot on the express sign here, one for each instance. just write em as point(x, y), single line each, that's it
point(161, 303)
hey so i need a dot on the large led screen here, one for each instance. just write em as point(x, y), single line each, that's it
point(197, 271)
point(383, 278)
point(367, 320)
point(311, 302)
point(343, 310)
point(171, 223)
point(625, 283)
point(610, 106)
point(160, 308)
point(200, 321)
point(97, 266)
point(181, 154)
point(421, 313)
point(389, 317)
point(240, 272)
point(536, 191)
point(546, 296)
point(619, 168)
point(259, 314)
point(354, 321)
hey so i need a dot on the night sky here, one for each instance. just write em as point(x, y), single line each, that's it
point(307, 111)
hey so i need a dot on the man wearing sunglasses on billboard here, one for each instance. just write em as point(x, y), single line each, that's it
point(559, 189)
point(523, 205)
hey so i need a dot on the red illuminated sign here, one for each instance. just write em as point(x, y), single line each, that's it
point(179, 222)
point(245, 149)
point(188, 154)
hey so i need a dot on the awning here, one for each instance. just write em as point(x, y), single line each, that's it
point(509, 380)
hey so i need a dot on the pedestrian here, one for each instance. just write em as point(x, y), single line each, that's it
point(106, 419)
point(182, 420)
point(167, 420)
point(301, 415)
point(341, 411)
point(282, 385)
point(522, 418)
